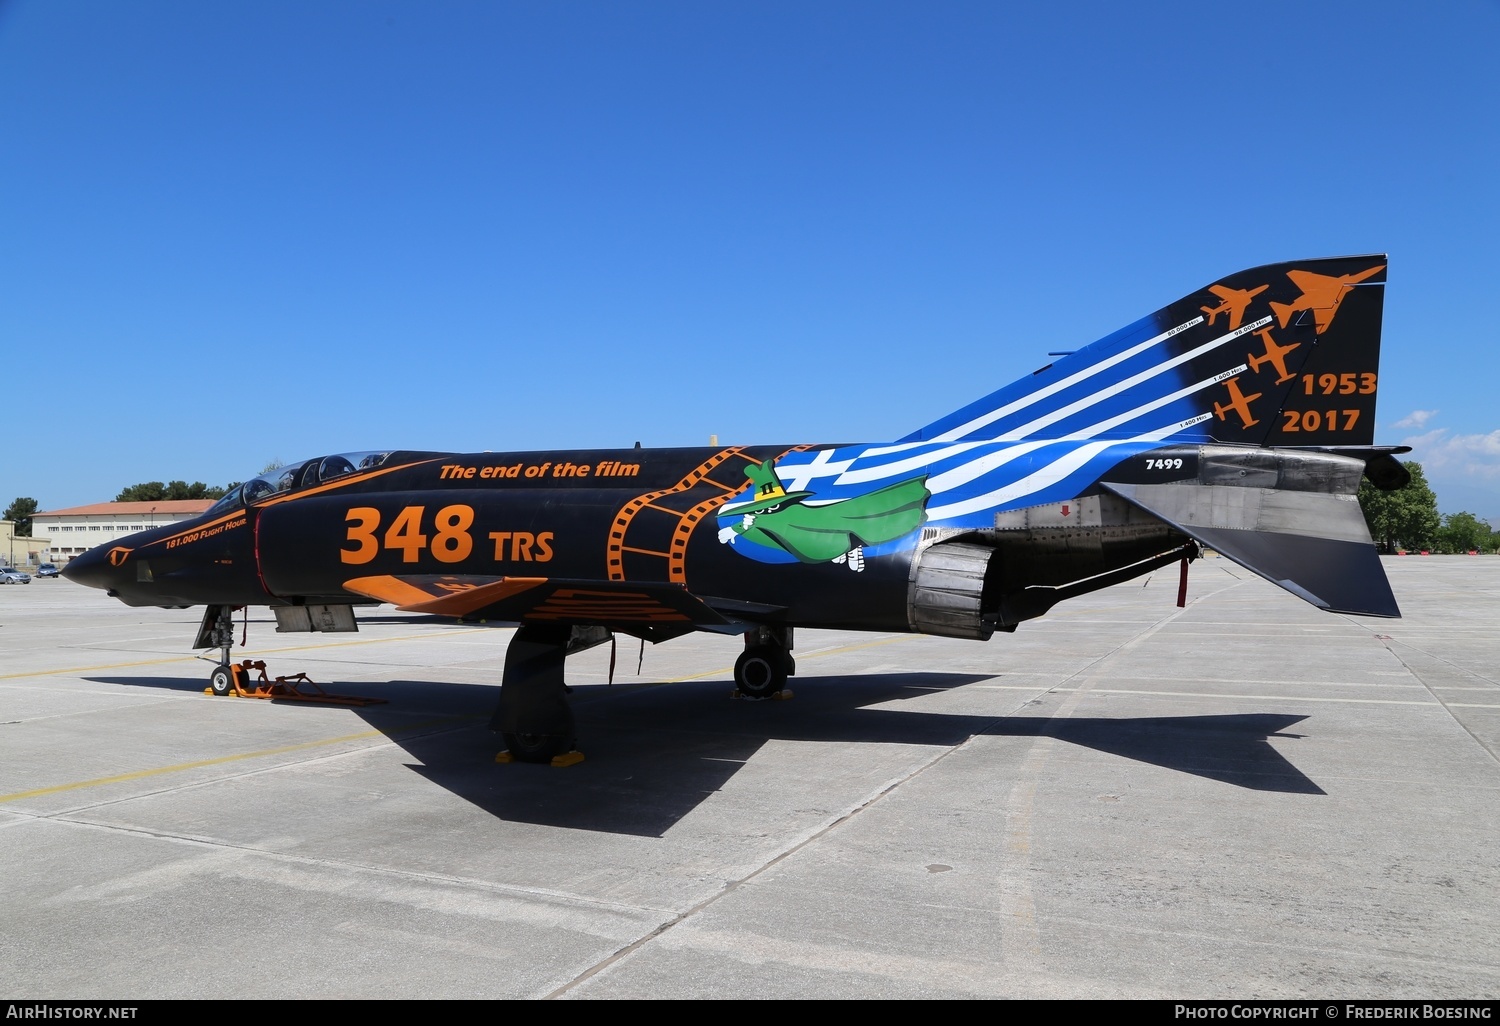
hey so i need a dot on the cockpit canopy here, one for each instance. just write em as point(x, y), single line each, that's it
point(294, 476)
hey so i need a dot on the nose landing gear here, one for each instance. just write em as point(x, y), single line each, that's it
point(217, 631)
point(229, 678)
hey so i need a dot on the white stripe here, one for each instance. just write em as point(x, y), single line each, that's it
point(1058, 386)
point(885, 470)
point(884, 450)
point(1183, 425)
point(1124, 418)
point(1048, 475)
point(1130, 382)
point(951, 479)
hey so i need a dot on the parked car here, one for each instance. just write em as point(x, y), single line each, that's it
point(47, 570)
point(10, 575)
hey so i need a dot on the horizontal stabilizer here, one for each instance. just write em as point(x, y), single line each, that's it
point(1314, 544)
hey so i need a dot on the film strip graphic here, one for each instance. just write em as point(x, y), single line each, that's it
point(654, 528)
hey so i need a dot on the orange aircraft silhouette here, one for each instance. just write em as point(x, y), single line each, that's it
point(1235, 302)
point(1239, 403)
point(1321, 294)
point(1274, 355)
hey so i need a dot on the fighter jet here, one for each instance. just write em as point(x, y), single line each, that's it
point(1235, 302)
point(1321, 293)
point(1103, 466)
point(1238, 403)
point(1274, 355)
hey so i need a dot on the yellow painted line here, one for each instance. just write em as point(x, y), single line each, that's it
point(1210, 694)
point(224, 759)
point(863, 644)
point(723, 671)
point(244, 654)
point(92, 669)
point(1406, 680)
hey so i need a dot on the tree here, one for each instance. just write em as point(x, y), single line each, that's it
point(1406, 517)
point(1463, 532)
point(149, 491)
point(155, 491)
point(21, 512)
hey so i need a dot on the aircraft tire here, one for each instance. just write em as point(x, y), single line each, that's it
point(536, 747)
point(221, 681)
point(760, 672)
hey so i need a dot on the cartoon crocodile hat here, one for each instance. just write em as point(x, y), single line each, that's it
point(767, 489)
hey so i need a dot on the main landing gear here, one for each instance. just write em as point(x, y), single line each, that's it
point(534, 717)
point(762, 669)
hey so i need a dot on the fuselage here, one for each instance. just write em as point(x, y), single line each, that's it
point(828, 540)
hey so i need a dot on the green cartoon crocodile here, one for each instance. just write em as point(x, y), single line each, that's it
point(820, 532)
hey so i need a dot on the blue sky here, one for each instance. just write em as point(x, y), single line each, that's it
point(232, 233)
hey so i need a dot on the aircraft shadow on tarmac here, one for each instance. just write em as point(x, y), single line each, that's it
point(190, 685)
point(655, 752)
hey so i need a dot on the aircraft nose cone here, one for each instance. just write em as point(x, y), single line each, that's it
point(92, 568)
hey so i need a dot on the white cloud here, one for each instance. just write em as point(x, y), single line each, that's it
point(1415, 419)
point(1470, 455)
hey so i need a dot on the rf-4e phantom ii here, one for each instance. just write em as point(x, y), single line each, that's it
point(1240, 418)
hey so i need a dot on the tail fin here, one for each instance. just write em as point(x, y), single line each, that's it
point(1285, 354)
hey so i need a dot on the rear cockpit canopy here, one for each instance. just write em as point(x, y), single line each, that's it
point(297, 476)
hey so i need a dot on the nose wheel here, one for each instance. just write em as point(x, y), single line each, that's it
point(221, 681)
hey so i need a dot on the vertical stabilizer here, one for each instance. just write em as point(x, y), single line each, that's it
point(1285, 354)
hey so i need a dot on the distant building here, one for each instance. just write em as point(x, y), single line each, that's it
point(76, 530)
point(19, 551)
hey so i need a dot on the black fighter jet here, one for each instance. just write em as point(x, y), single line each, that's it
point(1176, 432)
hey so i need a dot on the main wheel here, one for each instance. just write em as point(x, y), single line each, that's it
point(760, 672)
point(536, 747)
point(221, 681)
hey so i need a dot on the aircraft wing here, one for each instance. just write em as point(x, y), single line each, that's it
point(630, 606)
